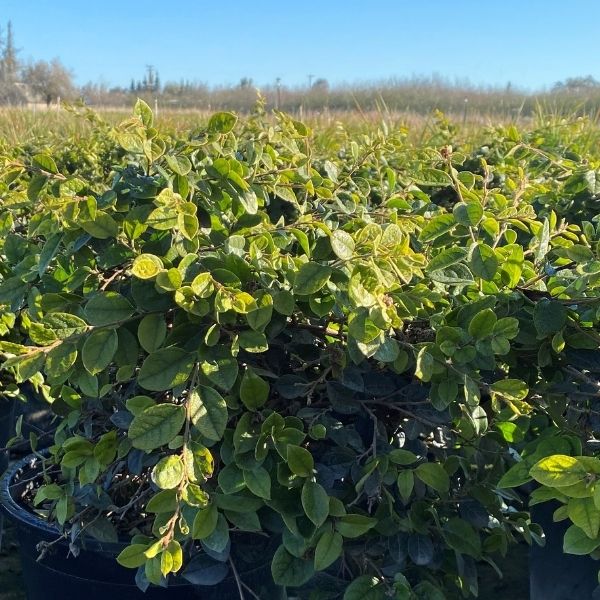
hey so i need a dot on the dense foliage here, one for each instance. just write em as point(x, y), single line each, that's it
point(241, 332)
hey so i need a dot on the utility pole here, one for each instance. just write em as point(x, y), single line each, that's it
point(310, 78)
point(278, 84)
point(149, 78)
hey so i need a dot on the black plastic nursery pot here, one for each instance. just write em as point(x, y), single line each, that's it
point(94, 574)
point(7, 425)
point(555, 575)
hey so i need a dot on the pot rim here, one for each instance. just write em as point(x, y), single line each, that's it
point(19, 514)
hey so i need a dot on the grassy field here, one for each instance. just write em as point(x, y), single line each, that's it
point(21, 125)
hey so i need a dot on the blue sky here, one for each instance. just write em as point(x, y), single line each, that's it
point(531, 43)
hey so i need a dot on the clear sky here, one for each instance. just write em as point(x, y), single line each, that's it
point(531, 43)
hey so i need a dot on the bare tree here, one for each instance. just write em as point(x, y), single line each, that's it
point(576, 84)
point(10, 92)
point(50, 80)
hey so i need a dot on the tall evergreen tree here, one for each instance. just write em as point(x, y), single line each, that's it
point(9, 55)
point(10, 93)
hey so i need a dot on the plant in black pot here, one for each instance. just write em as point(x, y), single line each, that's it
point(275, 370)
point(556, 446)
point(14, 387)
point(9, 391)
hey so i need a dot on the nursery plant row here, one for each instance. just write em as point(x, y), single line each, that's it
point(284, 368)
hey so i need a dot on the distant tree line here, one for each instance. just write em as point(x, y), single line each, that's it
point(48, 80)
point(42, 80)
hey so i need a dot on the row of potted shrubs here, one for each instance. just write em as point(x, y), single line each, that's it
point(279, 370)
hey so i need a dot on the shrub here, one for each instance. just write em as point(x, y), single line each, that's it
point(241, 334)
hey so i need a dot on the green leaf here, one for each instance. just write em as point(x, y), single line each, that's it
point(584, 514)
point(147, 266)
point(300, 461)
point(64, 325)
point(310, 278)
point(166, 368)
point(315, 502)
point(143, 112)
point(420, 549)
point(406, 484)
point(222, 368)
point(468, 213)
point(152, 331)
point(28, 367)
point(261, 316)
point(549, 316)
point(580, 253)
point(152, 570)
point(399, 456)
point(163, 502)
point(484, 262)
point(444, 393)
point(133, 556)
point(437, 227)
point(249, 201)
point(208, 412)
point(457, 274)
point(511, 389)
point(231, 479)
point(258, 482)
point(162, 218)
point(48, 252)
point(169, 280)
point(482, 324)
point(188, 225)
point(576, 541)
point(156, 426)
point(102, 227)
point(425, 364)
point(106, 308)
point(286, 194)
point(328, 550)
point(254, 390)
point(354, 525)
point(517, 475)
point(205, 522)
point(253, 341)
point(287, 570)
point(558, 470)
point(222, 122)
point(36, 184)
point(179, 164)
point(446, 258)
point(461, 537)
point(245, 521)
point(203, 285)
point(168, 472)
point(434, 475)
point(507, 327)
point(99, 349)
point(342, 244)
point(283, 302)
point(217, 541)
point(12, 289)
point(434, 177)
point(45, 163)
